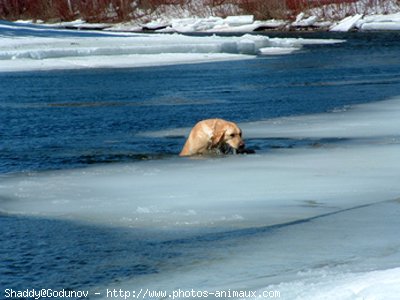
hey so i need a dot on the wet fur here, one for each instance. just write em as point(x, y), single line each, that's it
point(213, 136)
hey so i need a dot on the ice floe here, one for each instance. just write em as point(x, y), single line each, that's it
point(347, 23)
point(49, 48)
point(380, 22)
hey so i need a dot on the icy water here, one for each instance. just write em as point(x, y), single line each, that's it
point(66, 119)
point(57, 120)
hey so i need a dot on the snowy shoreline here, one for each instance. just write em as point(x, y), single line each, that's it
point(219, 25)
point(242, 24)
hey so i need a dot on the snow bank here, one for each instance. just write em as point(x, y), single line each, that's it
point(382, 285)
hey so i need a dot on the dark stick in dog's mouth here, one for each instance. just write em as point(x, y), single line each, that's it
point(225, 149)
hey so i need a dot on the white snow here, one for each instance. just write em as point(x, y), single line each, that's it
point(382, 284)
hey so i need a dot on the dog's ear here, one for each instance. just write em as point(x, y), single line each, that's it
point(217, 137)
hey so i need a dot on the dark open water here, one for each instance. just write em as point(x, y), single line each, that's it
point(69, 119)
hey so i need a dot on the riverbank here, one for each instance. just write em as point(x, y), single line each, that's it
point(242, 24)
point(343, 17)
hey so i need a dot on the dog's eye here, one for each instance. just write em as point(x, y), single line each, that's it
point(232, 135)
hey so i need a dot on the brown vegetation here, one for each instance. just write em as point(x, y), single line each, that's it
point(271, 9)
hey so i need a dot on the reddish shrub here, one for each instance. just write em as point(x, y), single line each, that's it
point(298, 5)
point(261, 9)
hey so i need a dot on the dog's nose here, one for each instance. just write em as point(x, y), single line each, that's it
point(241, 145)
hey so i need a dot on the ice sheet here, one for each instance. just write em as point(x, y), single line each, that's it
point(347, 23)
point(57, 49)
point(277, 50)
point(349, 254)
point(374, 26)
point(301, 21)
point(360, 121)
point(382, 284)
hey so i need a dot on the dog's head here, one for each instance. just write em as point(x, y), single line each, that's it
point(228, 133)
point(233, 136)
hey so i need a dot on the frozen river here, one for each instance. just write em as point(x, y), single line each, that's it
point(93, 196)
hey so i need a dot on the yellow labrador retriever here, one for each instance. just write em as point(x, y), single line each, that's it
point(212, 135)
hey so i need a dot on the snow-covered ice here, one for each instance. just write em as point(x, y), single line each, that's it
point(369, 23)
point(247, 24)
point(359, 15)
point(49, 48)
point(301, 21)
point(108, 50)
point(277, 50)
point(380, 22)
point(239, 20)
point(242, 23)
